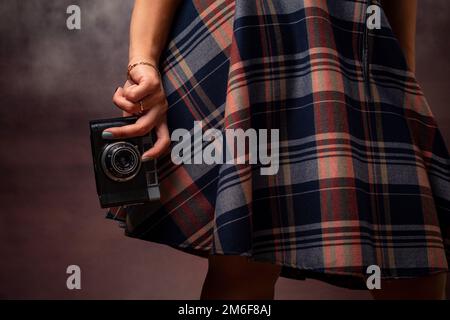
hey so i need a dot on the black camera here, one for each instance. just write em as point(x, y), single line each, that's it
point(121, 177)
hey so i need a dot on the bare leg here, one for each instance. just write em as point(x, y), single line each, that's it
point(236, 277)
point(424, 288)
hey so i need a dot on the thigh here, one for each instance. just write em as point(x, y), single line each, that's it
point(422, 288)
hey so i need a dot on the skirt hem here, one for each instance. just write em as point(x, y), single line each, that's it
point(343, 279)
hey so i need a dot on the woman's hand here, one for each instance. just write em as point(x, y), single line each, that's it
point(143, 91)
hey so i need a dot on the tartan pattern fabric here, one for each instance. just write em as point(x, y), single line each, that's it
point(364, 175)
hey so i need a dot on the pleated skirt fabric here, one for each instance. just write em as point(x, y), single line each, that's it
point(364, 172)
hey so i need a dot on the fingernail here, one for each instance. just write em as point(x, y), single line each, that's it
point(145, 159)
point(107, 135)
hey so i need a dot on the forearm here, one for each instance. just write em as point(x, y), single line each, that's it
point(402, 16)
point(150, 25)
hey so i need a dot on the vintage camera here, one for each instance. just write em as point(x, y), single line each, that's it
point(120, 175)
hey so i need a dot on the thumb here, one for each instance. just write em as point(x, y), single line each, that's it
point(162, 142)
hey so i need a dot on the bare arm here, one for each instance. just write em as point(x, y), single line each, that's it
point(150, 25)
point(143, 93)
point(402, 16)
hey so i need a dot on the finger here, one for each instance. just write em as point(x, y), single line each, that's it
point(141, 127)
point(128, 83)
point(123, 103)
point(162, 143)
point(151, 101)
point(139, 91)
point(126, 114)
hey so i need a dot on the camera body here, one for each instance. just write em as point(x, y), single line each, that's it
point(121, 177)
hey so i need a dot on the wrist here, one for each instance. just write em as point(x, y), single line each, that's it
point(139, 62)
point(143, 58)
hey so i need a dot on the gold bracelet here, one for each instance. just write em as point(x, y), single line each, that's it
point(130, 67)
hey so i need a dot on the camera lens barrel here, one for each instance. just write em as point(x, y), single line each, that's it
point(121, 161)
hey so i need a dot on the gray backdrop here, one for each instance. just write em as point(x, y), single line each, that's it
point(52, 82)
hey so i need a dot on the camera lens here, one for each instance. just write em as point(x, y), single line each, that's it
point(124, 161)
point(121, 161)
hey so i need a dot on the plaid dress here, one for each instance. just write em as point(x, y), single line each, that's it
point(364, 172)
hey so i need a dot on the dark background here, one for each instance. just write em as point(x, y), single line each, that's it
point(52, 82)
